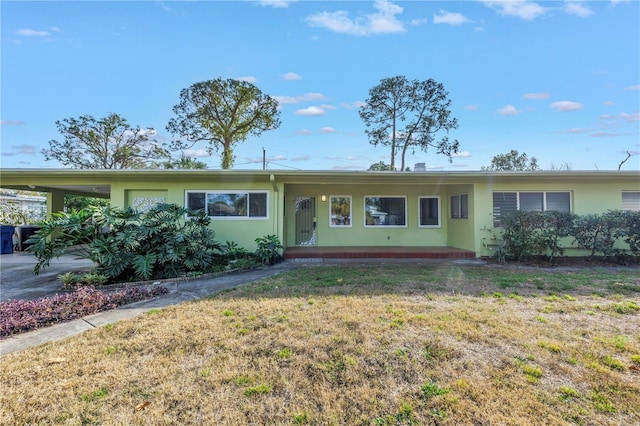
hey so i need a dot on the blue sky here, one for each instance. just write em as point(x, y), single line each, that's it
point(557, 80)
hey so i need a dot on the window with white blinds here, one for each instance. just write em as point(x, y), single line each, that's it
point(631, 200)
point(507, 203)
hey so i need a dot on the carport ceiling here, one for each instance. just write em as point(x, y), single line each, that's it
point(101, 191)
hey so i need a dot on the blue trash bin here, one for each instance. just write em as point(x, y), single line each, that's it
point(6, 239)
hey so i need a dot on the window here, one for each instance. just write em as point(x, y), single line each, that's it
point(230, 205)
point(385, 211)
point(460, 206)
point(429, 212)
point(631, 200)
point(340, 210)
point(507, 203)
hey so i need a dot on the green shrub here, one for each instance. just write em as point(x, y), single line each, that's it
point(519, 234)
point(526, 234)
point(128, 245)
point(268, 251)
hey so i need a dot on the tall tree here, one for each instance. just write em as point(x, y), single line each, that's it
point(406, 115)
point(512, 161)
point(104, 143)
point(222, 113)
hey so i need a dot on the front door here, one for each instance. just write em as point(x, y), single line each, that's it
point(305, 221)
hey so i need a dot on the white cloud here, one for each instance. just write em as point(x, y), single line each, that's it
point(291, 76)
point(347, 167)
point(328, 107)
point(25, 149)
point(248, 78)
point(451, 18)
point(304, 132)
point(577, 8)
point(12, 123)
point(254, 160)
point(197, 153)
point(462, 154)
point(609, 103)
point(631, 88)
point(472, 107)
point(566, 106)
point(301, 158)
point(419, 21)
point(508, 110)
point(575, 131)
point(327, 130)
point(622, 116)
point(523, 9)
point(383, 21)
point(312, 111)
point(28, 32)
point(353, 105)
point(607, 134)
point(307, 97)
point(278, 4)
point(434, 167)
point(536, 96)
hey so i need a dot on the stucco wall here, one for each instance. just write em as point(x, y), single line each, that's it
point(358, 234)
point(586, 198)
point(239, 230)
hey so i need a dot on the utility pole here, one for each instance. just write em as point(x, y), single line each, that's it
point(264, 159)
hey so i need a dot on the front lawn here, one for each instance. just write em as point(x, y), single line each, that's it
point(372, 345)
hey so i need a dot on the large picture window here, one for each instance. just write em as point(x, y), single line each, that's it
point(429, 212)
point(340, 211)
point(507, 203)
point(230, 204)
point(385, 211)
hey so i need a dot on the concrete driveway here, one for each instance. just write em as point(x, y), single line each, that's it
point(17, 280)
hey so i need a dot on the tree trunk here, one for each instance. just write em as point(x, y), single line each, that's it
point(404, 151)
point(227, 156)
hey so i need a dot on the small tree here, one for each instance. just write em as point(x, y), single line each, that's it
point(380, 166)
point(406, 115)
point(222, 113)
point(512, 161)
point(184, 162)
point(104, 143)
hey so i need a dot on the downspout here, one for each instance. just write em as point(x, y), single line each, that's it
point(276, 221)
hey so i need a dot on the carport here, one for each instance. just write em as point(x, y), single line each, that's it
point(56, 184)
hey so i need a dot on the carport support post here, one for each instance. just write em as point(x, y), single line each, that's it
point(55, 201)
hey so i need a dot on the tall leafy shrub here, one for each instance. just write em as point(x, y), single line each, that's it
point(132, 245)
point(518, 235)
point(554, 228)
point(526, 234)
point(596, 233)
point(601, 234)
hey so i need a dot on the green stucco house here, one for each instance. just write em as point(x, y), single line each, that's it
point(348, 214)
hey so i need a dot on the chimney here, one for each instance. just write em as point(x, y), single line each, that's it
point(419, 167)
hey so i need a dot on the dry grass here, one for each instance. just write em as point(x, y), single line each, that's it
point(354, 345)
